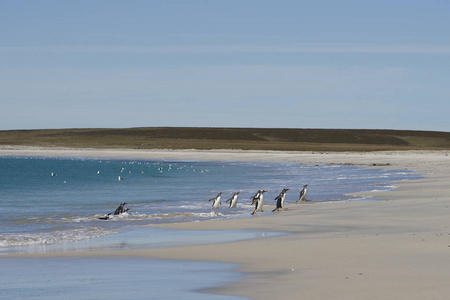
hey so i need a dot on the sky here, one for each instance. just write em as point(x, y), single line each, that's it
point(365, 64)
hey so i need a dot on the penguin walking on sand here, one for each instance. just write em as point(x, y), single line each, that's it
point(216, 200)
point(302, 197)
point(280, 200)
point(120, 209)
point(233, 200)
point(258, 201)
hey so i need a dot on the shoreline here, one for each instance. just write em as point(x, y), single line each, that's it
point(396, 248)
point(375, 158)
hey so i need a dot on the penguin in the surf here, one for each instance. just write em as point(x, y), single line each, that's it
point(280, 200)
point(302, 197)
point(120, 209)
point(216, 200)
point(233, 200)
point(105, 217)
point(258, 201)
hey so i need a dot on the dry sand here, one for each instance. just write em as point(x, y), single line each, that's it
point(396, 248)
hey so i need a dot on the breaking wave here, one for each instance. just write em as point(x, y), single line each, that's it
point(58, 236)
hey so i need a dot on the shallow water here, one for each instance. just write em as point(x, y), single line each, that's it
point(112, 278)
point(132, 238)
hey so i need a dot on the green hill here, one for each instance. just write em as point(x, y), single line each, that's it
point(231, 138)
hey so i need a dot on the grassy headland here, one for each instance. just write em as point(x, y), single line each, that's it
point(230, 138)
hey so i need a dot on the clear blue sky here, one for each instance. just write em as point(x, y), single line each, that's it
point(381, 64)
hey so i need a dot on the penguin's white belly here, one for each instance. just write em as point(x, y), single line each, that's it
point(259, 204)
point(282, 200)
point(303, 196)
point(233, 202)
point(216, 203)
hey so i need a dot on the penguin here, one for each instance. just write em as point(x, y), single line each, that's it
point(216, 200)
point(255, 197)
point(302, 197)
point(258, 200)
point(233, 200)
point(119, 210)
point(105, 217)
point(280, 200)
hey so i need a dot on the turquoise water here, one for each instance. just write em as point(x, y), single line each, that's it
point(40, 209)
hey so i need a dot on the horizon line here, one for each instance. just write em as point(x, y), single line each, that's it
point(185, 49)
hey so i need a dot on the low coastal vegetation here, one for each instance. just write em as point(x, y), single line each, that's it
point(230, 138)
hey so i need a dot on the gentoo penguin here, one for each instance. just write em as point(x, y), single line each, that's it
point(216, 200)
point(302, 197)
point(280, 200)
point(119, 210)
point(233, 200)
point(105, 217)
point(258, 200)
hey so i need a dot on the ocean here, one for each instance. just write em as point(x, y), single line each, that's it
point(46, 201)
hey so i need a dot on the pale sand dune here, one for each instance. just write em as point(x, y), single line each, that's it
point(397, 248)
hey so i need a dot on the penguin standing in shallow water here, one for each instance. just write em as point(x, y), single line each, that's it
point(119, 210)
point(302, 197)
point(233, 200)
point(280, 200)
point(216, 200)
point(258, 200)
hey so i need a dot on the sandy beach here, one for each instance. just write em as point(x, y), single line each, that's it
point(394, 248)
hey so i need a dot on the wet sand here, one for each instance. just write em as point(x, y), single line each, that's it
point(396, 248)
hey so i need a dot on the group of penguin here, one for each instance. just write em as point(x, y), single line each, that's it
point(258, 199)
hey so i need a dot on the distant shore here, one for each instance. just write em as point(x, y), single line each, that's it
point(250, 139)
point(375, 158)
point(392, 249)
